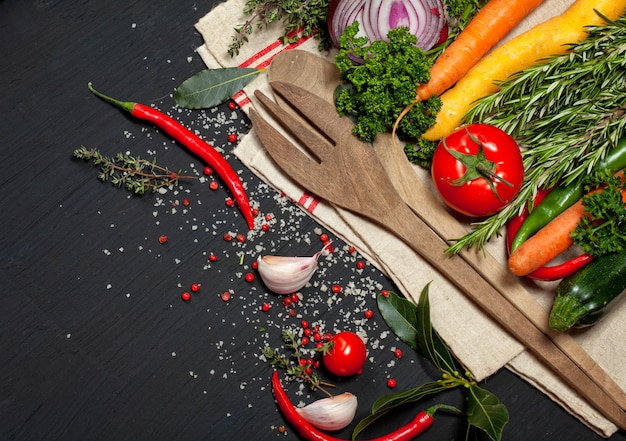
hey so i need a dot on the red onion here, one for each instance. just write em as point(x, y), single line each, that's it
point(424, 18)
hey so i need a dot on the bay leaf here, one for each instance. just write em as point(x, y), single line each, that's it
point(486, 412)
point(212, 87)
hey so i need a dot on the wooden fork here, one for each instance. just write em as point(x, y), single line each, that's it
point(347, 173)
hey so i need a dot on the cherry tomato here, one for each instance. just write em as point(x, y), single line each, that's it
point(347, 355)
point(477, 170)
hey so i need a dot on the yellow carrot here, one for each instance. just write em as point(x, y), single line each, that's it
point(551, 37)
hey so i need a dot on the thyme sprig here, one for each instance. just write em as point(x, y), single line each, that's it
point(297, 365)
point(299, 18)
point(130, 172)
point(566, 114)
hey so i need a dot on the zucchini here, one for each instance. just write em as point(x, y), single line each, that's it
point(585, 296)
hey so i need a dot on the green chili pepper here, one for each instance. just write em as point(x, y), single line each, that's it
point(565, 196)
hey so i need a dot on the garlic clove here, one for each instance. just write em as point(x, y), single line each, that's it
point(333, 413)
point(286, 275)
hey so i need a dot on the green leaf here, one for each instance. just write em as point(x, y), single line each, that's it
point(386, 403)
point(401, 316)
point(365, 422)
point(411, 323)
point(485, 412)
point(411, 395)
point(212, 87)
point(430, 344)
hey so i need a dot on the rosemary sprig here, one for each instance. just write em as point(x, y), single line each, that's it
point(303, 18)
point(132, 173)
point(566, 114)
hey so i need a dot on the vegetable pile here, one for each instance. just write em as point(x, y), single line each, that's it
point(543, 106)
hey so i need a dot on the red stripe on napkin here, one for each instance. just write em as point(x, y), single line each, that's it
point(258, 58)
point(263, 58)
point(267, 62)
point(312, 202)
point(241, 99)
point(313, 205)
point(250, 61)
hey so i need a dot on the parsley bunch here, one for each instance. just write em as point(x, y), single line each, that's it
point(383, 82)
point(603, 228)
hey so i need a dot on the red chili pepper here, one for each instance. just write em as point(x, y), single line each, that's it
point(419, 424)
point(545, 273)
point(194, 143)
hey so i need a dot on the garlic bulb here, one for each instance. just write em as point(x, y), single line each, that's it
point(333, 413)
point(286, 275)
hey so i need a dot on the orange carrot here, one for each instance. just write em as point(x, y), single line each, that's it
point(547, 243)
point(486, 29)
point(550, 241)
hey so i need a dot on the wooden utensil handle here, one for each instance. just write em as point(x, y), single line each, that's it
point(424, 241)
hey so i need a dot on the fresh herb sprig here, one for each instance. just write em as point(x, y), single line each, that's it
point(566, 114)
point(297, 365)
point(384, 84)
point(603, 228)
point(411, 323)
point(133, 173)
point(299, 19)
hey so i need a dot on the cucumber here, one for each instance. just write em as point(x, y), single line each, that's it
point(585, 296)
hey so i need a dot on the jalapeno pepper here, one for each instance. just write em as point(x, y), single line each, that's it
point(545, 273)
point(562, 197)
point(194, 143)
point(422, 421)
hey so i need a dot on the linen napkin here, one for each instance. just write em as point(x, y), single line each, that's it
point(479, 343)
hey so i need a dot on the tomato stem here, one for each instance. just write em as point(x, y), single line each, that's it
point(476, 166)
point(487, 171)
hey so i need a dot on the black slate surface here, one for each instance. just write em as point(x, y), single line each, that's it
point(95, 342)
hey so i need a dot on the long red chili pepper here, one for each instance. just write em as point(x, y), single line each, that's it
point(422, 421)
point(194, 143)
point(545, 273)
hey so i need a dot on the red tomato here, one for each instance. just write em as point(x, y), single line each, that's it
point(478, 174)
point(347, 355)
